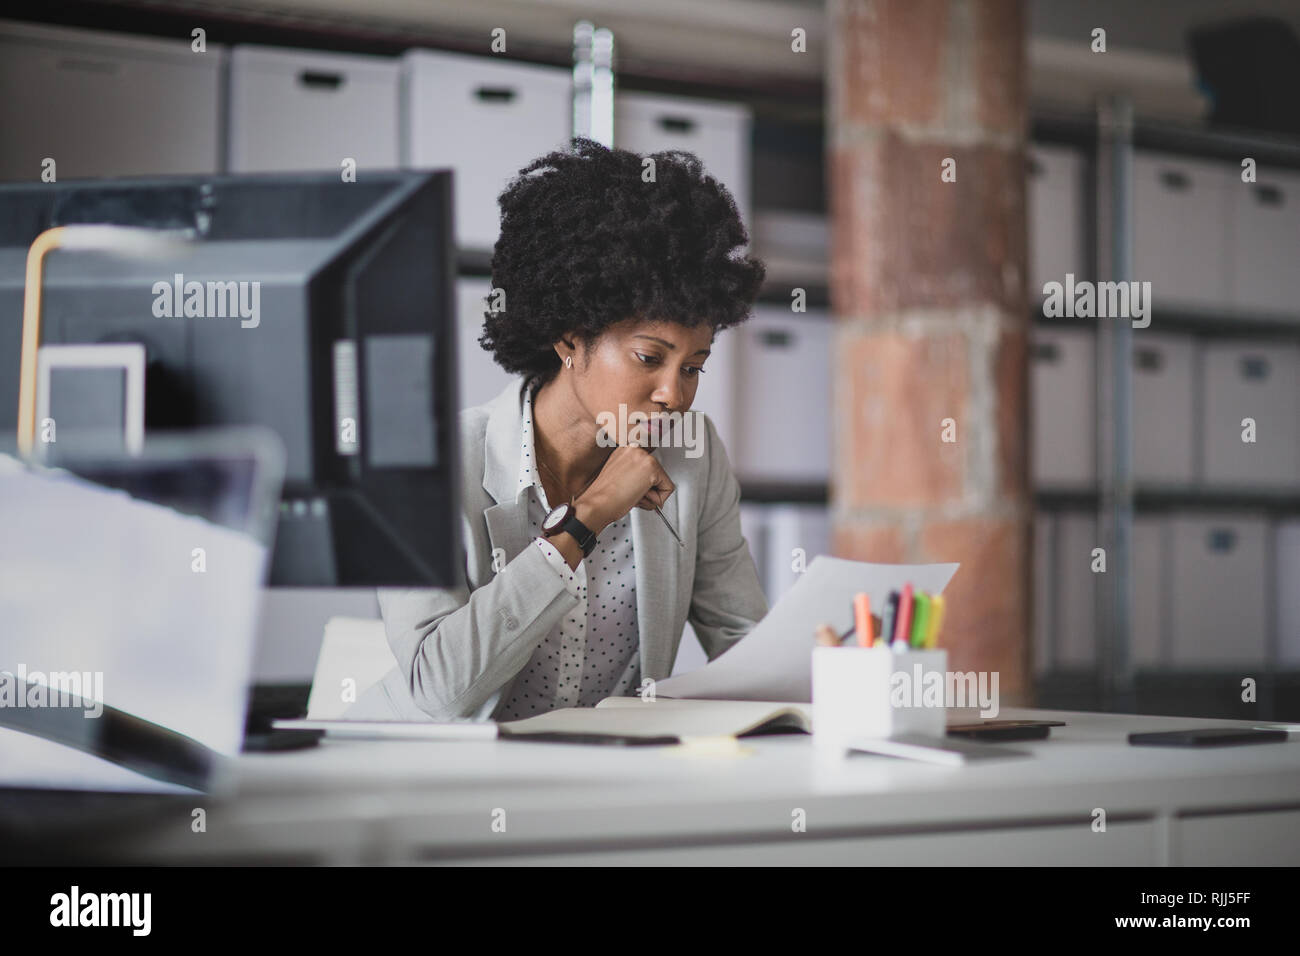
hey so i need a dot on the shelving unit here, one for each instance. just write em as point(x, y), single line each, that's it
point(1108, 143)
point(1164, 498)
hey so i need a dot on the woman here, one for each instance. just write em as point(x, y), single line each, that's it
point(616, 275)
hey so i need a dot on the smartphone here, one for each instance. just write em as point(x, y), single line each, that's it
point(1005, 729)
point(1208, 737)
point(609, 740)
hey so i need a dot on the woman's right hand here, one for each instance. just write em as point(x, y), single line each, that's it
point(631, 477)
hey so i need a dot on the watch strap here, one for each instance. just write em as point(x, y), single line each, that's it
point(585, 537)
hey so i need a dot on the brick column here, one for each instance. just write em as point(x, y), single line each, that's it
point(928, 289)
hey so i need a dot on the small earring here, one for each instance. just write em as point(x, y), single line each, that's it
point(568, 361)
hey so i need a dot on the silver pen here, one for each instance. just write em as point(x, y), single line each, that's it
point(668, 526)
point(665, 520)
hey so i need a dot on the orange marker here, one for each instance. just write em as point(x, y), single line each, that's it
point(862, 619)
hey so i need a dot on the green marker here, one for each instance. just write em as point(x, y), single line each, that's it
point(920, 619)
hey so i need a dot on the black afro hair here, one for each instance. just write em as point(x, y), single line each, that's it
point(586, 242)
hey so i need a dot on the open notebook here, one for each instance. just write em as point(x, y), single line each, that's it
point(618, 718)
point(634, 717)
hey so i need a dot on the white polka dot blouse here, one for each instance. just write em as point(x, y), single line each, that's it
point(594, 652)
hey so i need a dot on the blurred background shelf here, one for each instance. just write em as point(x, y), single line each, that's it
point(1213, 695)
point(761, 492)
point(1205, 322)
point(1152, 499)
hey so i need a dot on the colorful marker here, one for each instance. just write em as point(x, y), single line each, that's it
point(920, 620)
point(937, 605)
point(888, 617)
point(903, 629)
point(862, 619)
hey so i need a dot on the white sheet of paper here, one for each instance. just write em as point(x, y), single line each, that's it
point(94, 582)
point(774, 660)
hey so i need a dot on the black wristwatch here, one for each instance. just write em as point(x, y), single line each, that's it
point(565, 518)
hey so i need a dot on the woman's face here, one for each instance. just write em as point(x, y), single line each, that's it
point(648, 367)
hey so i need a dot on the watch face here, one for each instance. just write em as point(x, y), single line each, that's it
point(556, 518)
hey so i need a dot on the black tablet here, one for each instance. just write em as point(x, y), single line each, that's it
point(1209, 737)
point(1005, 729)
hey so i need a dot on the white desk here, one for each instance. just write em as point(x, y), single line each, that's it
point(434, 802)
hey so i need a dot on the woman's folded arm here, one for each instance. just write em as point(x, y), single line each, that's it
point(455, 648)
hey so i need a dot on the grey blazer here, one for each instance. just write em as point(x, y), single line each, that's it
point(460, 649)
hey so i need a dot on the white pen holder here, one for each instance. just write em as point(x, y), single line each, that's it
point(876, 692)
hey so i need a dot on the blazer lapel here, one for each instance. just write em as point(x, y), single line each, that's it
point(502, 448)
point(655, 550)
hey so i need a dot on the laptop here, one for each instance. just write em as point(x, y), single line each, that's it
point(129, 593)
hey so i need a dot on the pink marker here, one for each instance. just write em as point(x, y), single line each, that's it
point(903, 629)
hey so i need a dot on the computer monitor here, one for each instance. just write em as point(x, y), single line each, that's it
point(319, 308)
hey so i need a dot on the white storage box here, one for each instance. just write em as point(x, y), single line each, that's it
point(1044, 591)
point(783, 412)
point(481, 378)
point(1164, 446)
point(1063, 406)
point(806, 527)
point(1266, 227)
point(485, 119)
point(715, 395)
point(1181, 230)
point(1076, 591)
point(302, 110)
point(1261, 381)
point(104, 104)
point(793, 234)
point(1066, 591)
point(1150, 592)
point(1219, 611)
point(1055, 194)
point(718, 133)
